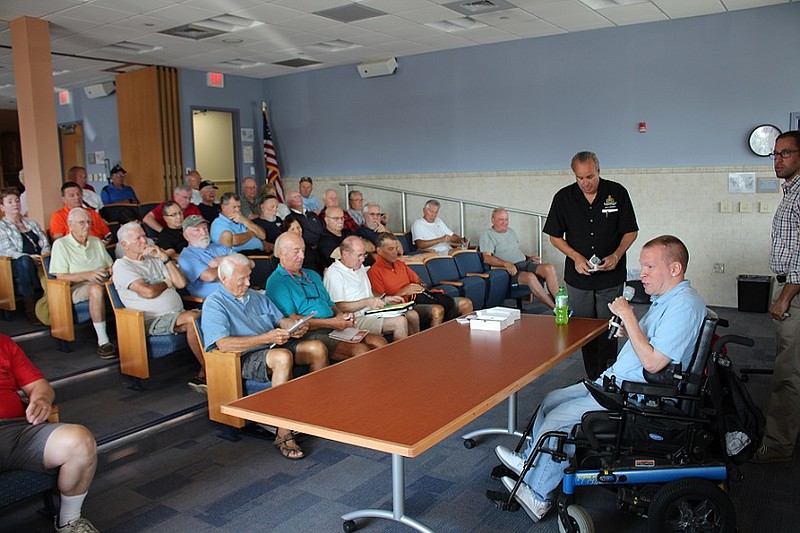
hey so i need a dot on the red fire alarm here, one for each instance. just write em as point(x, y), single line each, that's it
point(63, 98)
point(215, 79)
point(643, 127)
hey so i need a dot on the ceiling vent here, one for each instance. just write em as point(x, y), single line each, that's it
point(350, 13)
point(190, 31)
point(478, 7)
point(210, 27)
point(297, 62)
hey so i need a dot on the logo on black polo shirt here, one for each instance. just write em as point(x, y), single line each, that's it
point(610, 205)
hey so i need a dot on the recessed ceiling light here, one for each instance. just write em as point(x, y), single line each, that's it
point(232, 41)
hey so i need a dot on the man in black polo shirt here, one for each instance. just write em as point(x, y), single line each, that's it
point(593, 218)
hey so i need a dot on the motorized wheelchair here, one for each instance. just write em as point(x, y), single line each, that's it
point(655, 446)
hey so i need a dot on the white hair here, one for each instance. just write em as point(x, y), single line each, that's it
point(229, 263)
point(74, 212)
point(124, 231)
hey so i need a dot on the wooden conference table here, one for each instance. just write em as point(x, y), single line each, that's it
point(406, 397)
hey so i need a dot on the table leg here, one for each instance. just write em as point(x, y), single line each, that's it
point(398, 503)
point(510, 429)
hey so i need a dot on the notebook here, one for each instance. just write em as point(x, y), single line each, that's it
point(353, 335)
point(390, 308)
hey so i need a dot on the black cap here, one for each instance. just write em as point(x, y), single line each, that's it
point(207, 183)
point(118, 168)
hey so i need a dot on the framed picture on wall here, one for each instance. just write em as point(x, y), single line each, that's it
point(247, 135)
point(794, 120)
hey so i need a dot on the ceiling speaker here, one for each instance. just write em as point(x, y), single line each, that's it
point(100, 90)
point(384, 67)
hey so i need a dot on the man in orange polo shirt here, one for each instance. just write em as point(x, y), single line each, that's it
point(392, 277)
point(72, 196)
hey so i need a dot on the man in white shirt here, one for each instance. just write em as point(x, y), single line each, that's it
point(348, 285)
point(430, 231)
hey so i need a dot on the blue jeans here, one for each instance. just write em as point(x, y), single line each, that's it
point(560, 411)
point(26, 279)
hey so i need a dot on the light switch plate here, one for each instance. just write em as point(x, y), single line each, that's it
point(764, 207)
point(726, 207)
point(745, 207)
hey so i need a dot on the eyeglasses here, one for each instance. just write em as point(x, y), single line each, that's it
point(310, 290)
point(783, 154)
point(185, 197)
point(173, 214)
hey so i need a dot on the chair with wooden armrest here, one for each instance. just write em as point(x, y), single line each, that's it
point(18, 485)
point(470, 263)
point(63, 313)
point(408, 244)
point(263, 268)
point(443, 271)
point(8, 298)
point(418, 266)
point(133, 343)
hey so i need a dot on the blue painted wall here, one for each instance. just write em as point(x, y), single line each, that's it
point(100, 126)
point(701, 84)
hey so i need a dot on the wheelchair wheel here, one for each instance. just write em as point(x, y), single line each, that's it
point(692, 505)
point(581, 520)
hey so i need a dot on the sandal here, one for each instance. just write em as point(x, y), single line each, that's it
point(293, 453)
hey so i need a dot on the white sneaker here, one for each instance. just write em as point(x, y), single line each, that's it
point(536, 509)
point(513, 461)
point(79, 525)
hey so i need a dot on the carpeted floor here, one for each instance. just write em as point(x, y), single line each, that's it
point(185, 478)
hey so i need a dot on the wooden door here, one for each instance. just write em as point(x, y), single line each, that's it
point(72, 150)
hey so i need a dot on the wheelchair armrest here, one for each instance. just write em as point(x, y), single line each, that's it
point(609, 400)
point(649, 389)
point(666, 376)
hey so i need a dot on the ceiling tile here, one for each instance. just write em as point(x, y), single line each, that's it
point(689, 8)
point(633, 14)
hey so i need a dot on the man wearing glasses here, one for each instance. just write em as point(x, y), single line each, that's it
point(372, 224)
point(171, 238)
point(347, 282)
point(333, 235)
point(181, 196)
point(297, 292)
point(783, 416)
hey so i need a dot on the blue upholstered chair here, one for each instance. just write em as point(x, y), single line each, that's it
point(408, 244)
point(63, 313)
point(443, 271)
point(470, 263)
point(421, 270)
point(134, 344)
point(263, 268)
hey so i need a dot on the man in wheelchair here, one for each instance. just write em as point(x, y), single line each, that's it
point(666, 334)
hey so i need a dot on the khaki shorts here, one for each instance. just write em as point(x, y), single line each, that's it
point(371, 323)
point(162, 325)
point(80, 291)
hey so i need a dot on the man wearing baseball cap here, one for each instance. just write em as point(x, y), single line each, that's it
point(117, 192)
point(209, 207)
point(199, 260)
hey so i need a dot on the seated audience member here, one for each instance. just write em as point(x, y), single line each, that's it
point(208, 206)
point(332, 237)
point(331, 199)
point(239, 319)
point(500, 247)
point(249, 198)
point(170, 238)
point(117, 192)
point(233, 229)
point(83, 260)
point(192, 179)
point(182, 196)
point(297, 291)
point(200, 259)
point(348, 285)
point(72, 197)
point(90, 198)
point(311, 223)
point(355, 202)
point(312, 259)
point(372, 226)
point(29, 442)
point(310, 201)
point(269, 221)
point(269, 188)
point(125, 215)
point(24, 242)
point(146, 280)
point(430, 231)
point(391, 276)
point(666, 334)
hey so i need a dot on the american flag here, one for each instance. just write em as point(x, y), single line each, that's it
point(271, 161)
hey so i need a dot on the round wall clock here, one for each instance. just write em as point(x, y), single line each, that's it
point(762, 139)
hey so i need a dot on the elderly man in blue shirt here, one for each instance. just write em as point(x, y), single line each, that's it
point(298, 291)
point(233, 229)
point(239, 319)
point(666, 334)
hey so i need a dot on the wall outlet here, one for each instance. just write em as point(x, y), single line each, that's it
point(719, 268)
point(765, 207)
point(745, 207)
point(726, 207)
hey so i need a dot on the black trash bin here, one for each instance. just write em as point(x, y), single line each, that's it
point(755, 293)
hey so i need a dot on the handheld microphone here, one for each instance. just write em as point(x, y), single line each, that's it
point(627, 293)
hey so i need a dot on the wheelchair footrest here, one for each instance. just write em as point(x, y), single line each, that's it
point(501, 471)
point(503, 500)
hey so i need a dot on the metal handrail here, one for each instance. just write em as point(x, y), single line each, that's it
point(404, 194)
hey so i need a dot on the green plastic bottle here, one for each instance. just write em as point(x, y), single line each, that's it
point(562, 306)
